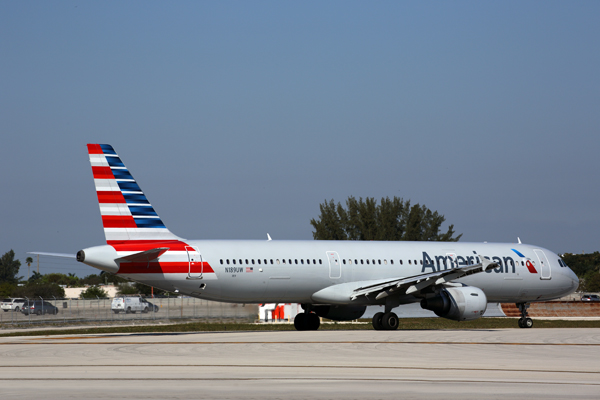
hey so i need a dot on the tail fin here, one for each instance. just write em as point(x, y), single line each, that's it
point(126, 212)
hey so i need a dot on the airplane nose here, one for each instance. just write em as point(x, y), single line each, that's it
point(574, 280)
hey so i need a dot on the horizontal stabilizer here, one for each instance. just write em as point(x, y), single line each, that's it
point(147, 255)
point(62, 255)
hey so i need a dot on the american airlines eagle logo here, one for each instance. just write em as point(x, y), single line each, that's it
point(529, 264)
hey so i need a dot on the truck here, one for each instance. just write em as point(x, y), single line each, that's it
point(132, 304)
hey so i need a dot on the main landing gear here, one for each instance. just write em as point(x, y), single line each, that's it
point(387, 321)
point(524, 321)
point(307, 321)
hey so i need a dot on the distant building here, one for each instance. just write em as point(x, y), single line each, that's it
point(73, 293)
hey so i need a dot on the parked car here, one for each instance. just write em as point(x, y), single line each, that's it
point(39, 307)
point(590, 297)
point(132, 304)
point(12, 304)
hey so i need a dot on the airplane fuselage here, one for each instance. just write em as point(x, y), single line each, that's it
point(331, 279)
point(293, 271)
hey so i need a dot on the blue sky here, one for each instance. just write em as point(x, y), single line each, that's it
point(239, 118)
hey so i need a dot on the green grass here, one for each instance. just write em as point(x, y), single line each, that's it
point(405, 323)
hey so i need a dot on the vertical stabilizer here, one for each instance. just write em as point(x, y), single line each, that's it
point(126, 212)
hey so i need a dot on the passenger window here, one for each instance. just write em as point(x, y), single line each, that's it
point(400, 262)
point(415, 262)
point(233, 260)
point(283, 260)
point(314, 261)
point(409, 262)
point(356, 261)
point(258, 261)
point(278, 261)
point(246, 261)
point(320, 261)
point(362, 261)
point(290, 260)
point(392, 262)
point(221, 261)
point(379, 262)
point(241, 261)
point(227, 261)
point(344, 261)
point(301, 261)
point(367, 261)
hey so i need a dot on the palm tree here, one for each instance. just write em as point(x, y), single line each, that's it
point(28, 261)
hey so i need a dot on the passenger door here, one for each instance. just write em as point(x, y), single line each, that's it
point(335, 265)
point(195, 264)
point(544, 264)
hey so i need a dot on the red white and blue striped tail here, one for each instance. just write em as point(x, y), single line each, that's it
point(126, 212)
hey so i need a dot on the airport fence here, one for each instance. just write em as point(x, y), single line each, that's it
point(99, 310)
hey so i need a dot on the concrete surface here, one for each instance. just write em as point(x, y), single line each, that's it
point(449, 364)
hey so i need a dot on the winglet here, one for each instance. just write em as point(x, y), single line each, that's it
point(269, 238)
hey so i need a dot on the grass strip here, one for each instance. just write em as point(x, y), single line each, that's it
point(405, 324)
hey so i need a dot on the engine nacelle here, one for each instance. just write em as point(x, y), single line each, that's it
point(340, 313)
point(457, 303)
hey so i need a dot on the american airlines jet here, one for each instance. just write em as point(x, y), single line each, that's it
point(336, 280)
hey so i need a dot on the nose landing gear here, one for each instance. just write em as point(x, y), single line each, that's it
point(524, 321)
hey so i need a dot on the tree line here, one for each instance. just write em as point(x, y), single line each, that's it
point(587, 269)
point(52, 285)
point(362, 219)
point(391, 219)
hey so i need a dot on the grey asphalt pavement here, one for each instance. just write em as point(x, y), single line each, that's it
point(451, 364)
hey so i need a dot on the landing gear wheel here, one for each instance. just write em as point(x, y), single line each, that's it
point(389, 321)
point(313, 321)
point(524, 321)
point(300, 322)
point(377, 321)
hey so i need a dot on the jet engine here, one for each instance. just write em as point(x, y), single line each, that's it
point(340, 313)
point(457, 303)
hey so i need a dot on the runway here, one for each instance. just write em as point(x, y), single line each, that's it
point(453, 364)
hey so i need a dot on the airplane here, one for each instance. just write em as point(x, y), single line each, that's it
point(336, 280)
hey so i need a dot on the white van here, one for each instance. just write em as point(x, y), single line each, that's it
point(132, 304)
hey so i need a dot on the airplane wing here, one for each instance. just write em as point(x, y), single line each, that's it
point(419, 282)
